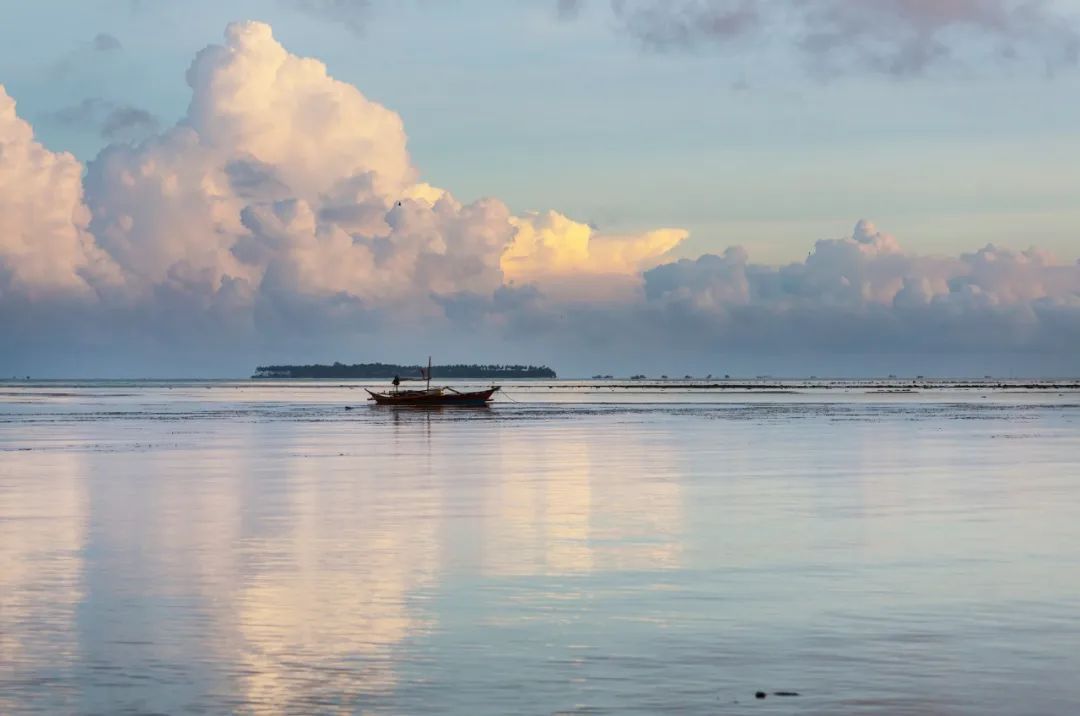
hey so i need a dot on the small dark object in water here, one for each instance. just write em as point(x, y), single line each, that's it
point(759, 695)
point(348, 407)
point(785, 693)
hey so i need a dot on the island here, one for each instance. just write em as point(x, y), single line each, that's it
point(379, 371)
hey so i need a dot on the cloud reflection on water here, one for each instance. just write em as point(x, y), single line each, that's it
point(264, 550)
point(42, 529)
point(264, 566)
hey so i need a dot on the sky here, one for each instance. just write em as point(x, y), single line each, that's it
point(704, 186)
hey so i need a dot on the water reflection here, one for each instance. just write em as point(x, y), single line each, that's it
point(568, 503)
point(283, 565)
point(278, 572)
point(42, 528)
point(327, 600)
point(213, 558)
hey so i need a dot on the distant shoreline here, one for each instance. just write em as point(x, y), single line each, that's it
point(874, 385)
point(378, 371)
point(791, 385)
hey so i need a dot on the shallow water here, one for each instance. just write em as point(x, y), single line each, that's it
point(256, 548)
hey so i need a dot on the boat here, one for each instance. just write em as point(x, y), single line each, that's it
point(431, 397)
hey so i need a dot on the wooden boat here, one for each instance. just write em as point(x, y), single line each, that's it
point(433, 397)
point(430, 397)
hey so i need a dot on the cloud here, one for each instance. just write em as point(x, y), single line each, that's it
point(683, 23)
point(282, 219)
point(294, 187)
point(905, 37)
point(353, 14)
point(251, 96)
point(554, 251)
point(863, 293)
point(114, 122)
point(104, 42)
point(103, 48)
point(46, 250)
point(895, 37)
point(569, 9)
point(126, 121)
point(87, 111)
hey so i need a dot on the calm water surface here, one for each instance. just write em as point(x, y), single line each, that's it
point(256, 548)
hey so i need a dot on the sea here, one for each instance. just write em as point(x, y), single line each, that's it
point(578, 547)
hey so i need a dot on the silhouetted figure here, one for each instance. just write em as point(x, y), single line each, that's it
point(397, 381)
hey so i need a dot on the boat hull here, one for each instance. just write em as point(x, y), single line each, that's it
point(433, 398)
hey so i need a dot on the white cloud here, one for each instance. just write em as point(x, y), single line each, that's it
point(867, 269)
point(548, 243)
point(45, 248)
point(284, 212)
point(250, 96)
point(863, 293)
point(280, 171)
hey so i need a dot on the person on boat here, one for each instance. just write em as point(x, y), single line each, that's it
point(396, 381)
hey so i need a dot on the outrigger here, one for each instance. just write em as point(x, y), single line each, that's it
point(430, 396)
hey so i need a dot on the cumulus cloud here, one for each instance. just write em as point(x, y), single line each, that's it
point(285, 198)
point(576, 262)
point(282, 218)
point(45, 248)
point(251, 96)
point(293, 184)
point(897, 37)
point(548, 243)
point(864, 293)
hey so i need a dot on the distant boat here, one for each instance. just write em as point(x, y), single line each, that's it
point(430, 396)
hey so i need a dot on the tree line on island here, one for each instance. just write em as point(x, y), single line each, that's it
point(369, 371)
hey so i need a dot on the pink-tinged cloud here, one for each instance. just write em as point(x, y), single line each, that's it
point(282, 217)
point(284, 178)
point(45, 247)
